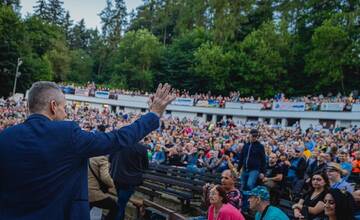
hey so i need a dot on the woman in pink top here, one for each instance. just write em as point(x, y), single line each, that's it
point(219, 209)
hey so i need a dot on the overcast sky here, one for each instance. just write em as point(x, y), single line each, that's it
point(87, 9)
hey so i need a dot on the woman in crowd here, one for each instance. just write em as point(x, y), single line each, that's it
point(339, 205)
point(219, 208)
point(312, 206)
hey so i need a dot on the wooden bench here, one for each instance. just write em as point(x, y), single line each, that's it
point(144, 207)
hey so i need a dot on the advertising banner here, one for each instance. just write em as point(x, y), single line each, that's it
point(244, 106)
point(213, 103)
point(82, 92)
point(333, 107)
point(208, 103)
point(102, 94)
point(183, 101)
point(289, 106)
point(356, 107)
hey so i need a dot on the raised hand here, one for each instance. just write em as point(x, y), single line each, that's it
point(162, 98)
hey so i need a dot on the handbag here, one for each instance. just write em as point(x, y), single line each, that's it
point(103, 187)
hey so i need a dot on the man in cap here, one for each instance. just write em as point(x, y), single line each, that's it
point(252, 161)
point(259, 200)
point(334, 173)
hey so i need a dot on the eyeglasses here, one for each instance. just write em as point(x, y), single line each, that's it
point(317, 179)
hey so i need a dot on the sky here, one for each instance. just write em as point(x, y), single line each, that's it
point(87, 9)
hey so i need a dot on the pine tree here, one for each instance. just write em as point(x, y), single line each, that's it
point(56, 12)
point(67, 25)
point(41, 10)
point(15, 4)
point(80, 36)
point(113, 18)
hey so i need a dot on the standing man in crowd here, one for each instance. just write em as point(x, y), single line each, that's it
point(252, 161)
point(127, 167)
point(44, 161)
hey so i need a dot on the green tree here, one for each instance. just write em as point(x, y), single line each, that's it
point(328, 57)
point(81, 65)
point(11, 43)
point(41, 10)
point(137, 54)
point(113, 19)
point(67, 26)
point(260, 62)
point(56, 12)
point(60, 60)
point(212, 67)
point(176, 62)
point(80, 36)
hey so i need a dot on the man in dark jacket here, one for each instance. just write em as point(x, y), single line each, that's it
point(252, 161)
point(126, 170)
point(44, 161)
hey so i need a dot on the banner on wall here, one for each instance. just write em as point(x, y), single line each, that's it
point(244, 106)
point(183, 102)
point(208, 103)
point(333, 107)
point(102, 94)
point(356, 107)
point(289, 106)
point(82, 92)
point(213, 103)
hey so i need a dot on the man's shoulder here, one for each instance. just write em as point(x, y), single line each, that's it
point(276, 213)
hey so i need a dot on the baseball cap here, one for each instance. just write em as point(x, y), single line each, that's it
point(259, 191)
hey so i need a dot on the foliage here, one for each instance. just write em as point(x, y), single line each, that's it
point(257, 47)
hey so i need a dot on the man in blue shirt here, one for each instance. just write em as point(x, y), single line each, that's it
point(44, 161)
point(259, 200)
point(344, 164)
point(334, 173)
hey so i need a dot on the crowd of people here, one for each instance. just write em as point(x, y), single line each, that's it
point(312, 103)
point(319, 167)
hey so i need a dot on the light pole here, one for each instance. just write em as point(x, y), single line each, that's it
point(17, 74)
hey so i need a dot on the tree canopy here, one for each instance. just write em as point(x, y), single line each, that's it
point(257, 47)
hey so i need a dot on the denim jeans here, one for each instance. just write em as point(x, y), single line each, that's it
point(123, 198)
point(248, 179)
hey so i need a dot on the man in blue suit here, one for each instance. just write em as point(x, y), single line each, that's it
point(44, 161)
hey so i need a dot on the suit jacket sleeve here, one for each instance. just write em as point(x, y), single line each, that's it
point(89, 144)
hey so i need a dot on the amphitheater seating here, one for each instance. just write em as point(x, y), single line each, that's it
point(186, 187)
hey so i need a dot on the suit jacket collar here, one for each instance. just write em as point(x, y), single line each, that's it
point(38, 116)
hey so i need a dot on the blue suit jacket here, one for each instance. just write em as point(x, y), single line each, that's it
point(44, 165)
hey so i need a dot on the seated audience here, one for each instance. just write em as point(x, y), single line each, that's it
point(219, 208)
point(312, 206)
point(339, 205)
point(259, 200)
point(334, 173)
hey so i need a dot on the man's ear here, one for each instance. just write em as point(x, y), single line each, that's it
point(53, 106)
